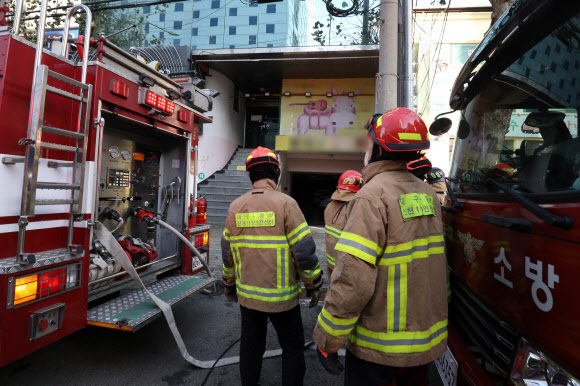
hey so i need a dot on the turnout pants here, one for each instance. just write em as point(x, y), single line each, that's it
point(360, 372)
point(288, 326)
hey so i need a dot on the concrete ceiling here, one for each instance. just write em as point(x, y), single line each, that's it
point(264, 68)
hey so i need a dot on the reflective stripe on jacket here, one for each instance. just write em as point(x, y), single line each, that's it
point(334, 220)
point(267, 250)
point(387, 300)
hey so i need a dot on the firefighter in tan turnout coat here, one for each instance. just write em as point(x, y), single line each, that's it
point(267, 251)
point(387, 299)
point(334, 215)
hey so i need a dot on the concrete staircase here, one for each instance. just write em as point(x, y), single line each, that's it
point(225, 186)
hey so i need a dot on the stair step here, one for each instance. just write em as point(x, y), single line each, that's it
point(57, 185)
point(216, 219)
point(56, 146)
point(227, 184)
point(65, 94)
point(54, 202)
point(214, 196)
point(65, 133)
point(134, 310)
point(237, 173)
point(218, 190)
point(213, 205)
point(217, 212)
point(224, 178)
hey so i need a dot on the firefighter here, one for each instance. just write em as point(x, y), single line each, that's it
point(388, 299)
point(267, 250)
point(436, 179)
point(334, 215)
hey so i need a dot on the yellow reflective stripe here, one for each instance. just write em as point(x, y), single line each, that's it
point(335, 326)
point(330, 260)
point(358, 246)
point(411, 136)
point(310, 273)
point(299, 236)
point(279, 263)
point(228, 271)
point(226, 234)
point(403, 298)
point(390, 298)
point(289, 235)
point(267, 294)
point(255, 245)
point(416, 249)
point(332, 231)
point(248, 237)
point(400, 342)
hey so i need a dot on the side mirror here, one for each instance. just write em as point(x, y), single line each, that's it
point(463, 129)
point(440, 126)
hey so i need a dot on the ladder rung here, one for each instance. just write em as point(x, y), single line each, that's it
point(65, 94)
point(12, 160)
point(57, 185)
point(54, 202)
point(56, 146)
point(65, 133)
point(54, 164)
point(68, 80)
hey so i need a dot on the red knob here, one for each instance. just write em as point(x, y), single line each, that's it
point(43, 325)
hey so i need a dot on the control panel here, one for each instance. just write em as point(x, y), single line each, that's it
point(118, 178)
point(46, 320)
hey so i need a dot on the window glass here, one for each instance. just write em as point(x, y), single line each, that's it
point(196, 14)
point(232, 30)
point(162, 17)
point(178, 7)
point(271, 8)
point(162, 34)
point(176, 42)
point(253, 5)
point(215, 4)
point(177, 24)
point(233, 12)
point(522, 129)
point(252, 39)
point(146, 27)
point(147, 9)
point(232, 46)
point(270, 45)
point(212, 39)
point(194, 31)
point(269, 28)
point(213, 22)
point(253, 20)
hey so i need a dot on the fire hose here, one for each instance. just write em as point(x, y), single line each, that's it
point(106, 238)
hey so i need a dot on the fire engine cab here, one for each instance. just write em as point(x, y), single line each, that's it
point(108, 140)
point(512, 211)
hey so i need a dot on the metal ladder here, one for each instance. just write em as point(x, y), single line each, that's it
point(36, 128)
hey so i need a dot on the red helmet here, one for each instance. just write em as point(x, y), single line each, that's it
point(261, 155)
point(502, 171)
point(420, 167)
point(350, 180)
point(399, 129)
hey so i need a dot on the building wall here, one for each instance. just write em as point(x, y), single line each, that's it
point(221, 138)
point(217, 24)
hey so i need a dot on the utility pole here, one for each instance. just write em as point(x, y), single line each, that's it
point(386, 84)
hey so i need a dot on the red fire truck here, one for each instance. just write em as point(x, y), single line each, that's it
point(107, 139)
point(512, 219)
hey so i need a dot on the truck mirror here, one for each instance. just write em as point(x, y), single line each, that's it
point(440, 126)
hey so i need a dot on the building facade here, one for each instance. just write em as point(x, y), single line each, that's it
point(218, 24)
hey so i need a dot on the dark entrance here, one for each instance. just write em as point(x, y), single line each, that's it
point(312, 192)
point(262, 122)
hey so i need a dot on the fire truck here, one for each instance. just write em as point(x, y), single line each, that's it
point(512, 210)
point(101, 140)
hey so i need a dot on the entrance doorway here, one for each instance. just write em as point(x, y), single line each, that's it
point(262, 122)
point(312, 192)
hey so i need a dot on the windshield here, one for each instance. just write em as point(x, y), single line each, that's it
point(522, 129)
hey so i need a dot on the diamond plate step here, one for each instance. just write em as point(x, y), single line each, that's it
point(134, 310)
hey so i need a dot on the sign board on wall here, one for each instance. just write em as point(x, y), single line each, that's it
point(332, 118)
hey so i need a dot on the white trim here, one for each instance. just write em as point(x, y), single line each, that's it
point(8, 228)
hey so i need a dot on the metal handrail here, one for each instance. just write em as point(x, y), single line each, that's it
point(87, 43)
point(17, 15)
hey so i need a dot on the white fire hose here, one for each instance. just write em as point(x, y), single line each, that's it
point(107, 239)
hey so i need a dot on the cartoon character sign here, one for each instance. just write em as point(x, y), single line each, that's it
point(317, 115)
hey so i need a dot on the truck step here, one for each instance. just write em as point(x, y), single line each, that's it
point(134, 310)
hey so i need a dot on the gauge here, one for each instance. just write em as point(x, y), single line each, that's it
point(114, 151)
point(126, 154)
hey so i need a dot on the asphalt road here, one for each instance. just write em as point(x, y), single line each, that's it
point(208, 324)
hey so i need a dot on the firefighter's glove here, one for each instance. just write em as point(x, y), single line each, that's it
point(330, 362)
point(314, 297)
point(230, 292)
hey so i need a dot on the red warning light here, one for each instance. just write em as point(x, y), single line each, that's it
point(170, 107)
point(161, 103)
point(151, 99)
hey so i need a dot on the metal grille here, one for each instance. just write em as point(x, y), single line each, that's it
point(34, 286)
point(496, 340)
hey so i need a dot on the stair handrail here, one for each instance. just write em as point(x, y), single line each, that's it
point(18, 5)
point(87, 43)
